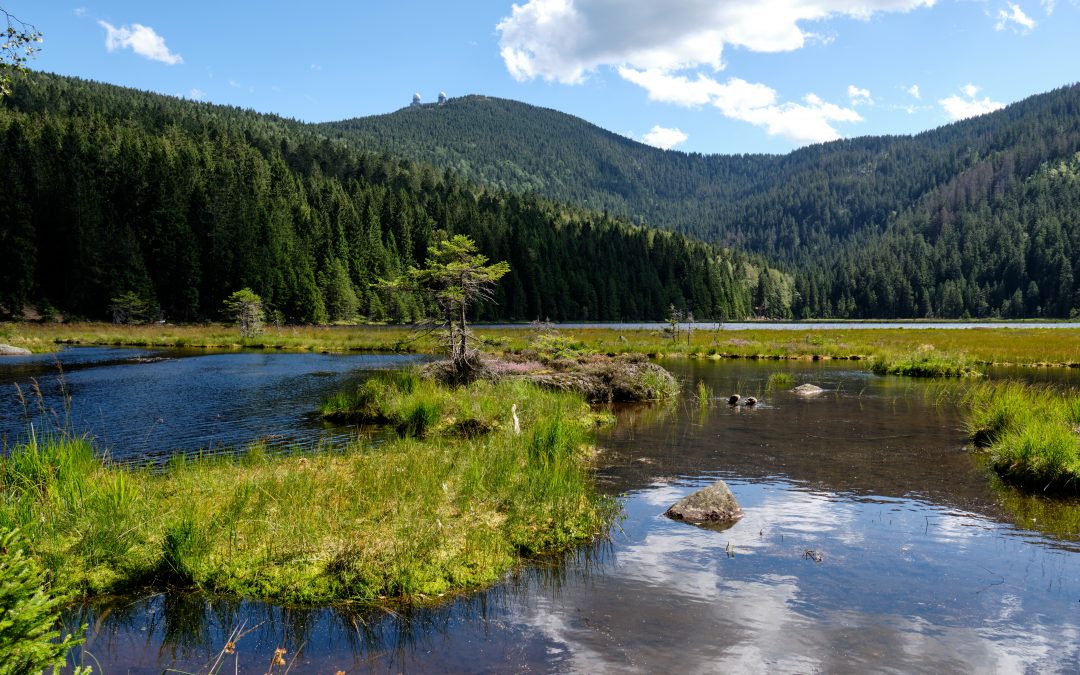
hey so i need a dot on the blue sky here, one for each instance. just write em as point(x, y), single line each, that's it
point(696, 75)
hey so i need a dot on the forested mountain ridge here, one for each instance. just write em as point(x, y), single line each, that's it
point(834, 212)
point(106, 191)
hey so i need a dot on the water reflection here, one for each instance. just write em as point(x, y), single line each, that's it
point(920, 563)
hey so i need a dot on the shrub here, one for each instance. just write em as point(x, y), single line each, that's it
point(29, 640)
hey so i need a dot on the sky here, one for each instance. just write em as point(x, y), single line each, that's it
point(709, 76)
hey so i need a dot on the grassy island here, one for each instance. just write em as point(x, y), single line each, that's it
point(1032, 434)
point(455, 500)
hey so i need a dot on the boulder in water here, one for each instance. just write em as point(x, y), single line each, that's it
point(710, 505)
point(8, 350)
point(807, 390)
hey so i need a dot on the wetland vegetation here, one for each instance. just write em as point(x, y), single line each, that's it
point(452, 504)
point(1031, 434)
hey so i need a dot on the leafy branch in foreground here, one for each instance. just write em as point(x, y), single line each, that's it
point(19, 43)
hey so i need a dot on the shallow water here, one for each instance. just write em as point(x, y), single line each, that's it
point(872, 540)
point(138, 404)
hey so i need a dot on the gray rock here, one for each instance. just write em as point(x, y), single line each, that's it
point(807, 390)
point(8, 350)
point(713, 504)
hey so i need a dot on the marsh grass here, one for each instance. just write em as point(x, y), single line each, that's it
point(924, 361)
point(406, 521)
point(1032, 434)
point(778, 381)
point(1001, 346)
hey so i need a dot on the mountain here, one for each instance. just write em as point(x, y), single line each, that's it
point(108, 192)
point(935, 224)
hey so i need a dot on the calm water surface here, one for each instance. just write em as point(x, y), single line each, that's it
point(151, 403)
point(872, 541)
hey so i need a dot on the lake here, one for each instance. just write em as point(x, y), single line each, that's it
point(873, 538)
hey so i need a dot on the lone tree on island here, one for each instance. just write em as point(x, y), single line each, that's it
point(455, 276)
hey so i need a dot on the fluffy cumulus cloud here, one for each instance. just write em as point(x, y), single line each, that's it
point(961, 107)
point(663, 138)
point(807, 122)
point(914, 92)
point(1015, 18)
point(858, 95)
point(672, 50)
point(196, 94)
point(143, 40)
point(565, 39)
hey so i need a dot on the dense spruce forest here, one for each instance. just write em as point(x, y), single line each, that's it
point(107, 191)
point(978, 218)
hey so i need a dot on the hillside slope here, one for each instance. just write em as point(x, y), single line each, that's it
point(827, 210)
point(106, 191)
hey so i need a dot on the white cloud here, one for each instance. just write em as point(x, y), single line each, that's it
point(316, 67)
point(962, 107)
point(1021, 22)
point(1048, 5)
point(79, 11)
point(663, 138)
point(141, 39)
point(913, 90)
point(564, 40)
point(672, 49)
point(807, 122)
point(196, 94)
point(234, 84)
point(859, 96)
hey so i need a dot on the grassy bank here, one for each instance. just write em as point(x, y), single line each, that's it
point(1003, 346)
point(1032, 434)
point(408, 520)
point(924, 362)
point(48, 337)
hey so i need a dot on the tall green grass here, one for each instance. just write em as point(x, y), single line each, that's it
point(924, 362)
point(779, 381)
point(1032, 434)
point(407, 520)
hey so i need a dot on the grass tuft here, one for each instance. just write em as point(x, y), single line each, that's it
point(1031, 434)
point(779, 381)
point(924, 362)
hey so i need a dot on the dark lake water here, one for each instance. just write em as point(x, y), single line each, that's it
point(919, 562)
point(139, 404)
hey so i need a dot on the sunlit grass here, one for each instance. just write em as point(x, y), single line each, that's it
point(415, 518)
point(924, 362)
point(983, 346)
point(1032, 434)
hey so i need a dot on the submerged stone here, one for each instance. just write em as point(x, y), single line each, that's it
point(807, 390)
point(712, 504)
point(9, 350)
